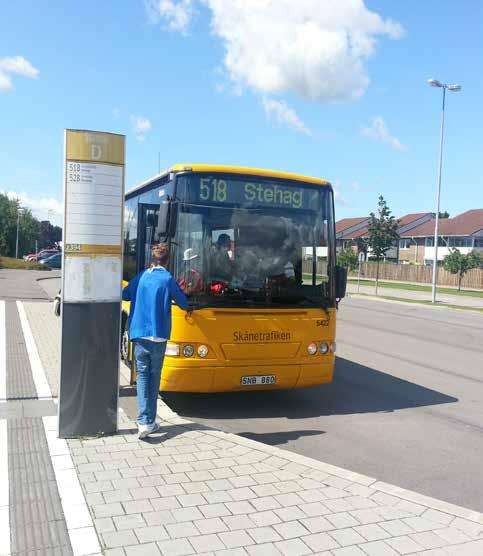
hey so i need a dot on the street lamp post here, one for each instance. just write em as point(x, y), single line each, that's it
point(455, 88)
point(19, 209)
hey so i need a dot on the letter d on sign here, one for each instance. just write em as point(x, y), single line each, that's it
point(96, 152)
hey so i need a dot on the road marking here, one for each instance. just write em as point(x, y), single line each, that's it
point(4, 491)
point(3, 353)
point(82, 534)
point(38, 373)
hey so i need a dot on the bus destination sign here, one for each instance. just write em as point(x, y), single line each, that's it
point(264, 193)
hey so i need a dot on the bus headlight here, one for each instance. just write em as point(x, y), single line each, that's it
point(312, 349)
point(324, 348)
point(172, 349)
point(202, 351)
point(188, 350)
point(332, 347)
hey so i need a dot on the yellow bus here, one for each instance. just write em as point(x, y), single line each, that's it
point(255, 251)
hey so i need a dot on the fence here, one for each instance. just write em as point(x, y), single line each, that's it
point(473, 279)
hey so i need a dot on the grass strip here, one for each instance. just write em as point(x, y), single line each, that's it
point(19, 264)
point(421, 302)
point(416, 287)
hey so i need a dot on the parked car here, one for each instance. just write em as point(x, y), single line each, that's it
point(37, 257)
point(52, 261)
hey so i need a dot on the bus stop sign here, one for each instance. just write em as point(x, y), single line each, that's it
point(91, 282)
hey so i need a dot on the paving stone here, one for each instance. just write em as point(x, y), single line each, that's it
point(187, 500)
point(263, 535)
point(203, 543)
point(196, 487)
point(404, 545)
point(262, 519)
point(452, 535)
point(428, 539)
point(317, 524)
point(313, 495)
point(114, 552)
point(439, 517)
point(239, 481)
point(104, 525)
point(320, 541)
point(313, 509)
point(214, 510)
point(122, 495)
point(372, 532)
point(346, 537)
point(469, 527)
point(396, 527)
point(218, 497)
point(119, 538)
point(378, 548)
point(243, 507)
point(291, 529)
point(186, 514)
point(163, 517)
point(210, 526)
point(177, 547)
point(339, 505)
point(347, 551)
point(151, 534)
point(289, 499)
point(266, 503)
point(125, 484)
point(222, 473)
point(366, 516)
point(235, 522)
point(342, 520)
point(235, 539)
point(240, 494)
point(419, 524)
point(142, 493)
point(139, 506)
point(293, 547)
point(108, 510)
point(171, 490)
point(168, 503)
point(182, 530)
point(267, 549)
point(150, 549)
point(130, 521)
point(291, 513)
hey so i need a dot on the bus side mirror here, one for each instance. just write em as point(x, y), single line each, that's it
point(167, 218)
point(340, 282)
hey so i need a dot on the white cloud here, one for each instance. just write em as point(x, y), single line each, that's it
point(116, 112)
point(177, 14)
point(283, 114)
point(15, 66)
point(45, 208)
point(141, 126)
point(315, 49)
point(378, 131)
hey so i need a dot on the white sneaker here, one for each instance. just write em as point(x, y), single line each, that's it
point(146, 430)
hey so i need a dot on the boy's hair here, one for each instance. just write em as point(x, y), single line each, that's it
point(161, 252)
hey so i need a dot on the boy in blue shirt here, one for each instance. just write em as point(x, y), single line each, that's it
point(151, 293)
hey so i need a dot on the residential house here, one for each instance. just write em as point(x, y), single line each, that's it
point(351, 230)
point(464, 232)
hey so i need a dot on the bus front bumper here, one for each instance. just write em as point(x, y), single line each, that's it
point(229, 379)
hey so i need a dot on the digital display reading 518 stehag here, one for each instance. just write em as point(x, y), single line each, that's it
point(212, 189)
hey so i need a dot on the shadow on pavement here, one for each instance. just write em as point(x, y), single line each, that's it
point(277, 438)
point(355, 389)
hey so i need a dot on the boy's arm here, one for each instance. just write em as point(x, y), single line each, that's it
point(129, 292)
point(177, 294)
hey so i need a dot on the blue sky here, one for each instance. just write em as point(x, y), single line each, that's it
point(289, 95)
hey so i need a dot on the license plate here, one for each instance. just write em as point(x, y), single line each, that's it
point(253, 380)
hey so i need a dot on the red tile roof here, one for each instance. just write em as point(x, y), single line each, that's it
point(408, 218)
point(358, 233)
point(348, 223)
point(465, 224)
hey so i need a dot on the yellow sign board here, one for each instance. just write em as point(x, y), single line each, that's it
point(95, 146)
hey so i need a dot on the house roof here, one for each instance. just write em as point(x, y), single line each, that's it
point(346, 223)
point(413, 217)
point(465, 224)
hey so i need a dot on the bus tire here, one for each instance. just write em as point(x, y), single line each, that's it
point(124, 344)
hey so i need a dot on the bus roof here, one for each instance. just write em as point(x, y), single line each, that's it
point(230, 170)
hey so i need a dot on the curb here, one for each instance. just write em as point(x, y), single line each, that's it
point(415, 302)
point(425, 503)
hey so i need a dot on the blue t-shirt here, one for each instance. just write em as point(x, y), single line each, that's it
point(151, 293)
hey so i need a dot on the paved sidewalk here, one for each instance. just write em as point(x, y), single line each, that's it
point(195, 490)
point(443, 298)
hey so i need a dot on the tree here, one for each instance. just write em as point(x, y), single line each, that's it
point(382, 233)
point(28, 228)
point(444, 214)
point(347, 258)
point(458, 263)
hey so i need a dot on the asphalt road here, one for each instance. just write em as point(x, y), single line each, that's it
point(406, 405)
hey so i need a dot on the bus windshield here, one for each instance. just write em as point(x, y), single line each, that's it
point(253, 242)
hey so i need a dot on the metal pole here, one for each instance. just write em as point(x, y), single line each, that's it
point(18, 223)
point(438, 197)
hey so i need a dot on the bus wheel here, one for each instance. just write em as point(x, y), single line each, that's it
point(125, 344)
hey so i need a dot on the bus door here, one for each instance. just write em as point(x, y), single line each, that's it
point(147, 233)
